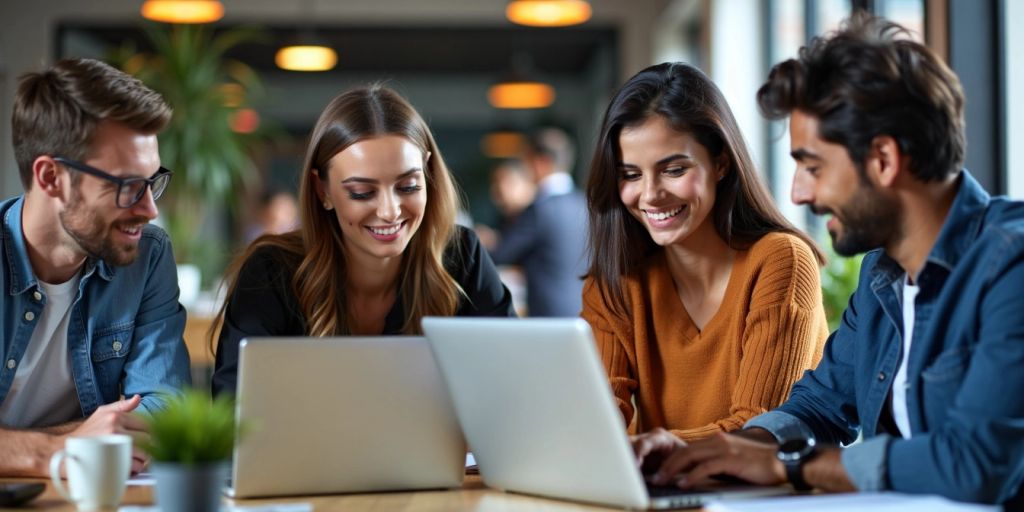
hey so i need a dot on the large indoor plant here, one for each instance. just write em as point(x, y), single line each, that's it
point(190, 444)
point(209, 156)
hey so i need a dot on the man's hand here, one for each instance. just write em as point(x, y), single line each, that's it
point(652, 448)
point(693, 464)
point(116, 418)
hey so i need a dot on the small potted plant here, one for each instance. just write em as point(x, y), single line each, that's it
point(190, 444)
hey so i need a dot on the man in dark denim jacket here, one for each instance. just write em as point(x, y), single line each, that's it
point(877, 131)
point(89, 307)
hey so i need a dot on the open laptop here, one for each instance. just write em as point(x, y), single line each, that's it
point(337, 415)
point(534, 403)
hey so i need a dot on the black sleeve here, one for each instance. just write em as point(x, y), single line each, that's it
point(472, 267)
point(262, 304)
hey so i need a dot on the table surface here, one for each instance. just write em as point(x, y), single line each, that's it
point(473, 496)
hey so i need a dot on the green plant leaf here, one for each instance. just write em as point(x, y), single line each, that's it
point(192, 429)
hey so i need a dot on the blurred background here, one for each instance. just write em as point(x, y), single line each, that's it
point(242, 119)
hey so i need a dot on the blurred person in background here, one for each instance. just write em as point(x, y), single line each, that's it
point(548, 238)
point(276, 213)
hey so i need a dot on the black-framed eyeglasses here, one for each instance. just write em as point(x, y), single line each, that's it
point(129, 190)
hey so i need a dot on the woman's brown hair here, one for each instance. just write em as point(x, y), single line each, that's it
point(685, 97)
point(320, 280)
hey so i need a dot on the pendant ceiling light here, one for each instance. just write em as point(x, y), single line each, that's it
point(308, 53)
point(183, 11)
point(306, 57)
point(503, 144)
point(548, 13)
point(519, 89)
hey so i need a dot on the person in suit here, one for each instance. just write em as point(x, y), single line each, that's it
point(926, 365)
point(377, 248)
point(705, 302)
point(548, 238)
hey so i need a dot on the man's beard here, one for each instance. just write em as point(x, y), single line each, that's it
point(868, 221)
point(94, 237)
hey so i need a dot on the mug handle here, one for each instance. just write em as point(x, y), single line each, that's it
point(55, 473)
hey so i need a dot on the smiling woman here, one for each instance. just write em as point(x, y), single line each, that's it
point(377, 248)
point(705, 303)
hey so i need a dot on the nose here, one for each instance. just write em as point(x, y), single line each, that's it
point(651, 190)
point(803, 190)
point(389, 207)
point(146, 207)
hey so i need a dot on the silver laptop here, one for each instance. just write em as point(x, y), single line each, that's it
point(337, 415)
point(535, 406)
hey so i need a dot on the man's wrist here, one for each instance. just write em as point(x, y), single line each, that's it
point(757, 434)
point(826, 471)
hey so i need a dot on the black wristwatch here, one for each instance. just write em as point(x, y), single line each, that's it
point(793, 454)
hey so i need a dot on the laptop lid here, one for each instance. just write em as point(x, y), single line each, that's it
point(348, 414)
point(534, 403)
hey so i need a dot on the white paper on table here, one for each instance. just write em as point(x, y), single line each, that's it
point(273, 507)
point(851, 502)
point(144, 478)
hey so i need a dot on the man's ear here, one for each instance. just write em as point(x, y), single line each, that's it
point(885, 161)
point(48, 176)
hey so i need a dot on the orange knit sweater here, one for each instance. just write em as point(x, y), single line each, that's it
point(769, 329)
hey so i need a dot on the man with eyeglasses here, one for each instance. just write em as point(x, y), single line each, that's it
point(90, 320)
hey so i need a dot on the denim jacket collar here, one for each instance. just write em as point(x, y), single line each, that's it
point(23, 278)
point(961, 227)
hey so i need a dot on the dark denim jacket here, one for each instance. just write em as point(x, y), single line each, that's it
point(965, 375)
point(126, 323)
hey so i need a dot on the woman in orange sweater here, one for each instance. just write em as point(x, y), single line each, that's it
point(704, 301)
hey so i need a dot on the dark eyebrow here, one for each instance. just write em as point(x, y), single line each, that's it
point(358, 179)
point(663, 161)
point(803, 154)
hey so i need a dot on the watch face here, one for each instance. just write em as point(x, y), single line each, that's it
point(795, 449)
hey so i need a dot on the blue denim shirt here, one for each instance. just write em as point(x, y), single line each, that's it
point(124, 335)
point(965, 374)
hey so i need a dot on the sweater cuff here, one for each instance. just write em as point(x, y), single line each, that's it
point(783, 426)
point(864, 463)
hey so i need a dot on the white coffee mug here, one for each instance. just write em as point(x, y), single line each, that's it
point(97, 469)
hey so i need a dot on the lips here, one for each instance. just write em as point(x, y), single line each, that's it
point(130, 230)
point(386, 233)
point(661, 215)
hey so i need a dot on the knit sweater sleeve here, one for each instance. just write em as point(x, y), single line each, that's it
point(784, 332)
point(613, 348)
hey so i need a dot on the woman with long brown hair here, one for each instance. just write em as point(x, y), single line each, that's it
point(377, 248)
point(704, 301)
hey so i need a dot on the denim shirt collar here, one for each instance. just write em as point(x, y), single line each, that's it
point(961, 227)
point(23, 278)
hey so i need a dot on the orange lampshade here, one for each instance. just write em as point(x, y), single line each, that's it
point(521, 95)
point(502, 144)
point(548, 13)
point(183, 11)
point(306, 58)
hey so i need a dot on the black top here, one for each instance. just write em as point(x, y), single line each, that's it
point(264, 303)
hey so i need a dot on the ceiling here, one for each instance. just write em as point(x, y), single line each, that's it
point(440, 50)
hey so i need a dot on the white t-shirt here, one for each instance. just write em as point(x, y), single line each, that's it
point(43, 391)
point(899, 383)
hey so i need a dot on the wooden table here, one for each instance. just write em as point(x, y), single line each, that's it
point(473, 496)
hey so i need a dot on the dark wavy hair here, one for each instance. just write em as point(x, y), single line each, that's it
point(869, 79)
point(685, 97)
